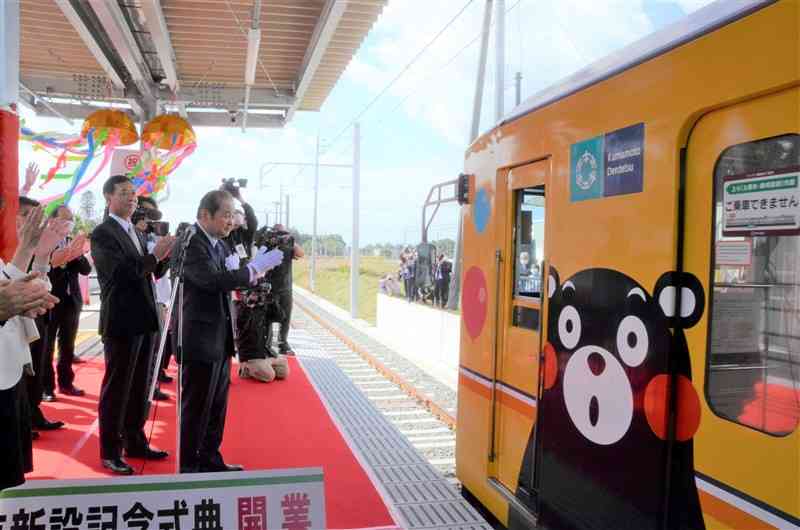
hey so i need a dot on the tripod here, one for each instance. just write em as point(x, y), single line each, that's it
point(175, 295)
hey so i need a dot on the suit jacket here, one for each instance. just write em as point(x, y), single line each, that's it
point(127, 301)
point(207, 314)
point(65, 282)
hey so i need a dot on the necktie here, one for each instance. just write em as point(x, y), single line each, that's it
point(135, 239)
point(219, 254)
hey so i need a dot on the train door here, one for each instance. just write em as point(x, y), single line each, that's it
point(522, 258)
point(742, 240)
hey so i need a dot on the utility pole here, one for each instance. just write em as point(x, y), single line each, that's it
point(287, 211)
point(500, 60)
point(354, 261)
point(453, 300)
point(277, 214)
point(518, 87)
point(313, 273)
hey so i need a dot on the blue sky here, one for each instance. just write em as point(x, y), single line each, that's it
point(415, 135)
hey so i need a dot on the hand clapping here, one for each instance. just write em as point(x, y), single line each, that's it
point(27, 296)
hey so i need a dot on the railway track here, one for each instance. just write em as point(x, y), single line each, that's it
point(419, 407)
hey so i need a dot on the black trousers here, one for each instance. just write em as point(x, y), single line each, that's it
point(123, 407)
point(34, 383)
point(285, 301)
point(204, 405)
point(441, 292)
point(15, 436)
point(64, 321)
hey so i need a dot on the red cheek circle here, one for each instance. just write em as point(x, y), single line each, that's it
point(475, 302)
point(550, 366)
point(688, 403)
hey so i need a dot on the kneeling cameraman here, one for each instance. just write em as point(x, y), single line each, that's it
point(281, 279)
point(255, 310)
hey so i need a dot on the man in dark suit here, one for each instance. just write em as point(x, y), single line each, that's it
point(66, 264)
point(128, 320)
point(442, 278)
point(211, 272)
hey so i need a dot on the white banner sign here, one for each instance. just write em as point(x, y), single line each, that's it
point(123, 160)
point(764, 203)
point(292, 499)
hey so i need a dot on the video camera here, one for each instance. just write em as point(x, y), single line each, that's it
point(232, 185)
point(271, 238)
point(153, 218)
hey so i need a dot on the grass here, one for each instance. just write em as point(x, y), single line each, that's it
point(333, 281)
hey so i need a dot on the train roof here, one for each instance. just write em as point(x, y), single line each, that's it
point(697, 24)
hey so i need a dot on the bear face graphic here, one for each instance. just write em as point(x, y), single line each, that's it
point(614, 354)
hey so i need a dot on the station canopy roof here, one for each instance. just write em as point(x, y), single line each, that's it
point(243, 63)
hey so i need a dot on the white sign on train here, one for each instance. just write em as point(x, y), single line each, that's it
point(760, 204)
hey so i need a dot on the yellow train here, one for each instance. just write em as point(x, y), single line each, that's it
point(630, 351)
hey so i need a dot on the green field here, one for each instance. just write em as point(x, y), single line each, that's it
point(333, 281)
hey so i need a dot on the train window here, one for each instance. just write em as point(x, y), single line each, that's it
point(528, 241)
point(753, 371)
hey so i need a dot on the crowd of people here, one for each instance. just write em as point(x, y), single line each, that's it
point(423, 280)
point(225, 262)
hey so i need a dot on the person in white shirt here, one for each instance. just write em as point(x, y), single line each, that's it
point(22, 297)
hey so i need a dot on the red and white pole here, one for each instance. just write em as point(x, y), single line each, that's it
point(9, 125)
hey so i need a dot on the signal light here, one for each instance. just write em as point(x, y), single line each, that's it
point(462, 189)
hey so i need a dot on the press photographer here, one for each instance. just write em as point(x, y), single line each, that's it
point(281, 280)
point(245, 222)
point(147, 220)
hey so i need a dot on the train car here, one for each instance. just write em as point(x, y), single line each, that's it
point(630, 337)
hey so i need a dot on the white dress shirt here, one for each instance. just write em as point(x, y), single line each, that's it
point(15, 337)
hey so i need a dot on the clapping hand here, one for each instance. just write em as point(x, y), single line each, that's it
point(53, 233)
point(264, 261)
point(31, 229)
point(31, 172)
point(163, 247)
point(232, 262)
point(26, 296)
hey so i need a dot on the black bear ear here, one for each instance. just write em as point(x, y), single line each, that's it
point(693, 300)
point(552, 281)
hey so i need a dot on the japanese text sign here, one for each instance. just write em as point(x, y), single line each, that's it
point(761, 204)
point(251, 500)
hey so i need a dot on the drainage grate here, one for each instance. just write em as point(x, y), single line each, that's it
point(416, 492)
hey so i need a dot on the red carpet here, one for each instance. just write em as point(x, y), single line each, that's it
point(280, 425)
point(777, 410)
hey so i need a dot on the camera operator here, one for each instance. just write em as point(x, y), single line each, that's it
point(245, 222)
point(281, 280)
point(147, 220)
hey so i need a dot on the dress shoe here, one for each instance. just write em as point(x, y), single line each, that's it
point(158, 395)
point(164, 378)
point(72, 391)
point(118, 466)
point(46, 425)
point(48, 397)
point(222, 468)
point(148, 453)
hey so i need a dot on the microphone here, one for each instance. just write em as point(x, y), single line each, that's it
point(187, 235)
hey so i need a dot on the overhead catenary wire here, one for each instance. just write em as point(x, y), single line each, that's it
point(401, 73)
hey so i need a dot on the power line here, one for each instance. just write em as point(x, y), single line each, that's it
point(403, 71)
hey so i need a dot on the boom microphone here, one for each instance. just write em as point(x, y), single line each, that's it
point(187, 235)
